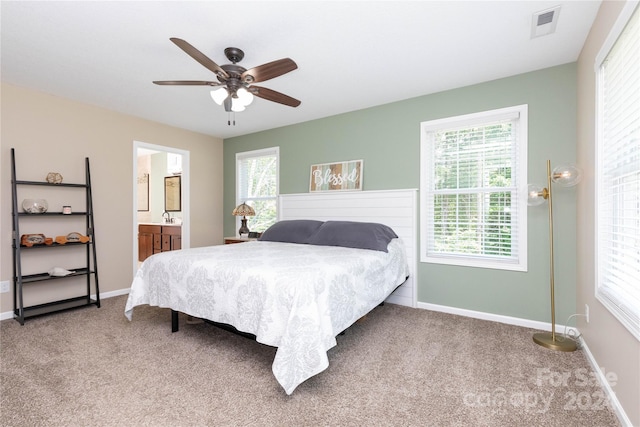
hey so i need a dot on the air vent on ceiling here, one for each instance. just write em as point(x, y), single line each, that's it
point(544, 22)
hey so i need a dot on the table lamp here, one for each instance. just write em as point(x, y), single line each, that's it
point(244, 211)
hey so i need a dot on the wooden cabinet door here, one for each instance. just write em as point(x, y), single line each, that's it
point(176, 243)
point(157, 243)
point(148, 240)
point(171, 238)
point(166, 242)
point(145, 246)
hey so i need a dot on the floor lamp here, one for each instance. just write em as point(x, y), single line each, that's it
point(566, 176)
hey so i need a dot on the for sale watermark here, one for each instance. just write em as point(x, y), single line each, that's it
point(500, 401)
point(580, 377)
point(576, 390)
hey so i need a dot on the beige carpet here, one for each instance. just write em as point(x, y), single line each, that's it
point(398, 366)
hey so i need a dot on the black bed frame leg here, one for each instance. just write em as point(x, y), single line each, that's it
point(174, 321)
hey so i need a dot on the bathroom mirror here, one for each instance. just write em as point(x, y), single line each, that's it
point(172, 202)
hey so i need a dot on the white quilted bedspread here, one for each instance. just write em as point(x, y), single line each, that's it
point(290, 296)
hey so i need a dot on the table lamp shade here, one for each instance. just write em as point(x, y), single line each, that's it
point(244, 210)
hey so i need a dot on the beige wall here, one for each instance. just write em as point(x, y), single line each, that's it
point(613, 347)
point(53, 134)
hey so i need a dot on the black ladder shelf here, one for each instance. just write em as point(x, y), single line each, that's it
point(88, 270)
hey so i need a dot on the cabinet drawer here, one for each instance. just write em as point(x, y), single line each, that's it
point(172, 229)
point(151, 229)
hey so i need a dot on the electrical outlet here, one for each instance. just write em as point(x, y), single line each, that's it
point(4, 286)
point(586, 312)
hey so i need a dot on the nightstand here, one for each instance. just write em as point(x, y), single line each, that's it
point(230, 240)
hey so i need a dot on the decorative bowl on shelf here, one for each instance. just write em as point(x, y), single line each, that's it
point(35, 206)
point(54, 178)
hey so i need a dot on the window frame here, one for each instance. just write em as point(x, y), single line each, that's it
point(520, 177)
point(244, 155)
point(615, 303)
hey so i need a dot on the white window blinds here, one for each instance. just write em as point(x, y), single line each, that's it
point(257, 185)
point(472, 205)
point(618, 171)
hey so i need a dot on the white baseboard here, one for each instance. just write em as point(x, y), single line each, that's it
point(112, 294)
point(9, 314)
point(526, 323)
point(613, 399)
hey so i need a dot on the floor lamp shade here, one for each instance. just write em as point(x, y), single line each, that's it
point(566, 176)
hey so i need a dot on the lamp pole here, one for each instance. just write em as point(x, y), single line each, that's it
point(545, 339)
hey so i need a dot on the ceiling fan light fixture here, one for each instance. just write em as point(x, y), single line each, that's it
point(236, 105)
point(245, 97)
point(219, 95)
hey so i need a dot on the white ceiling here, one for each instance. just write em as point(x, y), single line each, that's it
point(350, 55)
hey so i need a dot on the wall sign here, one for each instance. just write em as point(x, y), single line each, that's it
point(340, 176)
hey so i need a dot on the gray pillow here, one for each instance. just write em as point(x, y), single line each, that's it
point(351, 234)
point(291, 231)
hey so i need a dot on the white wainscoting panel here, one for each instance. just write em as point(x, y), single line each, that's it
point(395, 208)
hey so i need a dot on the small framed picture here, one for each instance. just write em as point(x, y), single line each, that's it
point(338, 176)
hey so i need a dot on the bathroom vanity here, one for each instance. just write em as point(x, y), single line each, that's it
point(155, 238)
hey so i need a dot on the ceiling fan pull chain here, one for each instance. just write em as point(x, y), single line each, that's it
point(229, 114)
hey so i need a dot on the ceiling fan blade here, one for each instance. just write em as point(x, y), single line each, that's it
point(268, 71)
point(200, 57)
point(272, 95)
point(185, 83)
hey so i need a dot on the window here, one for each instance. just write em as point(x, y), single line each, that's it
point(618, 171)
point(257, 185)
point(473, 205)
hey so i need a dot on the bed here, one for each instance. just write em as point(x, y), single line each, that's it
point(298, 287)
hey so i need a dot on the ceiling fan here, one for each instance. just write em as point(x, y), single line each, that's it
point(235, 83)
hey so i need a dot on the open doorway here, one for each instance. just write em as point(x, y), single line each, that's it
point(160, 193)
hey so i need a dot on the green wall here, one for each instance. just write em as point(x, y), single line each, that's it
point(387, 137)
